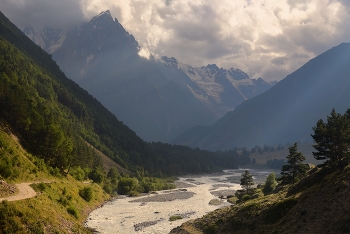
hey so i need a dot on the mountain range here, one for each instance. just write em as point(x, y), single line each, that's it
point(286, 112)
point(65, 127)
point(158, 98)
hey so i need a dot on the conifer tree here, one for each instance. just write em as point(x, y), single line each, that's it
point(294, 167)
point(247, 180)
point(333, 139)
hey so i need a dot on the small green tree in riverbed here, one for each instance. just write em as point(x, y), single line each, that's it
point(295, 167)
point(247, 180)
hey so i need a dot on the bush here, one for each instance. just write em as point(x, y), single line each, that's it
point(86, 193)
point(175, 217)
point(78, 173)
point(232, 200)
point(126, 185)
point(73, 211)
point(246, 197)
point(97, 176)
point(6, 169)
point(108, 188)
point(270, 183)
point(211, 229)
point(133, 193)
point(63, 200)
point(41, 186)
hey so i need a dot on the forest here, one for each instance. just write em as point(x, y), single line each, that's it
point(58, 121)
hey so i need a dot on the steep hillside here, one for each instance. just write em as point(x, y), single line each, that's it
point(286, 112)
point(59, 122)
point(57, 206)
point(317, 204)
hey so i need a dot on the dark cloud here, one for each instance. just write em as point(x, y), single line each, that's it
point(43, 13)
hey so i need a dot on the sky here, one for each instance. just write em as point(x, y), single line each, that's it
point(264, 38)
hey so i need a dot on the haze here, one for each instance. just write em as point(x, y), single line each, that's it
point(266, 39)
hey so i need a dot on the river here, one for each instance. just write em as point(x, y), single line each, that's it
point(151, 213)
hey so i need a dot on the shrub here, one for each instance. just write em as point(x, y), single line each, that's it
point(126, 185)
point(175, 217)
point(41, 186)
point(133, 193)
point(211, 229)
point(78, 173)
point(9, 218)
point(86, 193)
point(270, 183)
point(73, 211)
point(246, 197)
point(63, 200)
point(232, 200)
point(6, 169)
point(108, 188)
point(97, 176)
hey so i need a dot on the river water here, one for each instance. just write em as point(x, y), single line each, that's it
point(150, 213)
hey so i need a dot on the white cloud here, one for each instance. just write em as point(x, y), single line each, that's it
point(144, 53)
point(264, 38)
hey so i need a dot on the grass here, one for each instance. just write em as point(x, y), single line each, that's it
point(319, 203)
point(57, 208)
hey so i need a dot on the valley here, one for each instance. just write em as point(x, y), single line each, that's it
point(150, 213)
point(152, 122)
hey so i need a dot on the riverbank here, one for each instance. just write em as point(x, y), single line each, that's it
point(152, 213)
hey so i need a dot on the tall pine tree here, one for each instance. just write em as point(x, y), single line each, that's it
point(247, 180)
point(294, 167)
point(333, 139)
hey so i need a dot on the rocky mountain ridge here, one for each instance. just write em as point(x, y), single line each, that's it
point(157, 98)
point(286, 112)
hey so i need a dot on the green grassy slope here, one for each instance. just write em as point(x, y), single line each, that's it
point(57, 208)
point(319, 203)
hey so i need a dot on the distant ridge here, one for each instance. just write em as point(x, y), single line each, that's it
point(286, 112)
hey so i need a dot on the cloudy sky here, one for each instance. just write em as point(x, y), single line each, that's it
point(265, 38)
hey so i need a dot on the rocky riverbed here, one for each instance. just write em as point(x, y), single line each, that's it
point(152, 213)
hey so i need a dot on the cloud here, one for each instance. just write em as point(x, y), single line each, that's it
point(42, 13)
point(264, 38)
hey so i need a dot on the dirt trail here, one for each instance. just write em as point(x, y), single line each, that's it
point(24, 192)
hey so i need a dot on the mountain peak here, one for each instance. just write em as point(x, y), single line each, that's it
point(103, 15)
point(169, 61)
point(107, 12)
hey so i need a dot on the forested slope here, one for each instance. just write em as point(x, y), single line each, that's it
point(55, 118)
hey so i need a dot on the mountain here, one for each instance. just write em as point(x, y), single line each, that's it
point(64, 126)
point(157, 98)
point(286, 112)
point(218, 89)
point(48, 39)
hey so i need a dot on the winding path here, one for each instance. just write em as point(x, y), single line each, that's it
point(24, 192)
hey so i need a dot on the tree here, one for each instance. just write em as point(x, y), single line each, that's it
point(270, 183)
point(333, 139)
point(247, 180)
point(295, 167)
point(86, 193)
point(126, 185)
